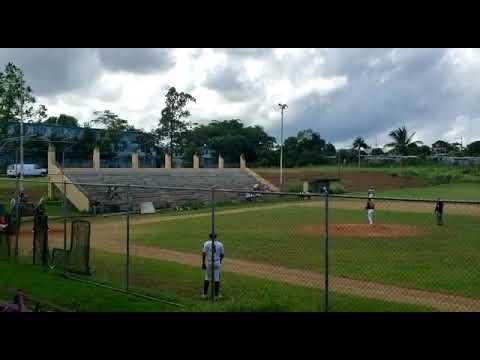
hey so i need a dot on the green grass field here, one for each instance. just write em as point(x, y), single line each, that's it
point(424, 171)
point(34, 190)
point(457, 191)
point(178, 284)
point(443, 259)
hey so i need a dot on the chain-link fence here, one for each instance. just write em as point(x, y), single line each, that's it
point(238, 250)
point(416, 252)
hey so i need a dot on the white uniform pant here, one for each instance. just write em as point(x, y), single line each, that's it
point(370, 216)
point(216, 272)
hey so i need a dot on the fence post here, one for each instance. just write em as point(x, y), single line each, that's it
point(17, 214)
point(129, 200)
point(212, 282)
point(326, 250)
point(64, 213)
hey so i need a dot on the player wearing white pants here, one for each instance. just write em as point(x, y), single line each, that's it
point(212, 265)
point(370, 211)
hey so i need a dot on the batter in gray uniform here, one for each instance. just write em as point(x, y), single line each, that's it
point(212, 265)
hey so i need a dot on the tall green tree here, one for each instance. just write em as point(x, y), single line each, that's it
point(359, 144)
point(62, 119)
point(401, 140)
point(307, 148)
point(473, 149)
point(40, 114)
point(16, 99)
point(229, 138)
point(113, 127)
point(172, 126)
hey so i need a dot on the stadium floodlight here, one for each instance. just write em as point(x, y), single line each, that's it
point(282, 108)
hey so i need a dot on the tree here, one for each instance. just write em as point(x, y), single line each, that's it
point(41, 113)
point(63, 119)
point(113, 128)
point(16, 99)
point(473, 149)
point(85, 143)
point(228, 138)
point(171, 126)
point(359, 144)
point(377, 151)
point(402, 140)
point(307, 148)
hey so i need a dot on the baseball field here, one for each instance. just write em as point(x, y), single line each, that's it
point(275, 257)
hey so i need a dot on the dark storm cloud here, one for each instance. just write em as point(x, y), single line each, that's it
point(55, 71)
point(137, 60)
point(230, 82)
point(386, 89)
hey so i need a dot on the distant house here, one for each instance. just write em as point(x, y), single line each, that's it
point(122, 158)
point(128, 143)
point(440, 148)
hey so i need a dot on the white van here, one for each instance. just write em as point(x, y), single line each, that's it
point(28, 170)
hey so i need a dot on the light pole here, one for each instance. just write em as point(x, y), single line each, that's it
point(282, 108)
point(21, 146)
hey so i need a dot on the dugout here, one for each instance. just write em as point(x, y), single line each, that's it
point(317, 185)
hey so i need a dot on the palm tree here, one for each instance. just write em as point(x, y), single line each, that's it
point(359, 144)
point(402, 140)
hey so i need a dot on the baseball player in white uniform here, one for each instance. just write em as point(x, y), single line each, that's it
point(371, 192)
point(212, 265)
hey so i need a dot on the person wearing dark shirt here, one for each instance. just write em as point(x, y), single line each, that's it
point(439, 212)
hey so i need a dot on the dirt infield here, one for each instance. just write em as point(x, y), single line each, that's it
point(364, 230)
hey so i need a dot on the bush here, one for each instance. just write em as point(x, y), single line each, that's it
point(193, 204)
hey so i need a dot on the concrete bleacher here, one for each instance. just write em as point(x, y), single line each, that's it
point(227, 178)
point(87, 197)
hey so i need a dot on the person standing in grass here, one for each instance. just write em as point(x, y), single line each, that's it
point(371, 192)
point(439, 211)
point(370, 207)
point(213, 264)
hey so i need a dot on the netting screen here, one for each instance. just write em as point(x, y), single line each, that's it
point(40, 240)
point(79, 258)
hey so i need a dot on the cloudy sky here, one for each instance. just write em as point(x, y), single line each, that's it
point(341, 93)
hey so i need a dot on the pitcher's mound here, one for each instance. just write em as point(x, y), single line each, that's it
point(365, 230)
